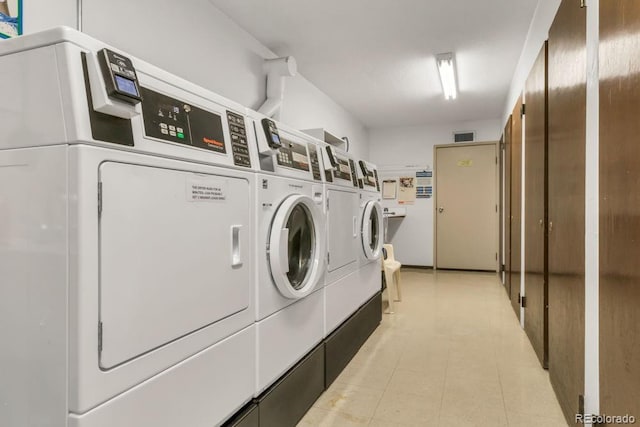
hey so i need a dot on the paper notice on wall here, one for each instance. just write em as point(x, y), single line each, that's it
point(407, 192)
point(389, 188)
point(424, 184)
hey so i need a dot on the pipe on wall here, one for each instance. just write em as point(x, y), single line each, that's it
point(277, 70)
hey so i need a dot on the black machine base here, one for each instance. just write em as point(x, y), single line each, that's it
point(346, 340)
point(288, 400)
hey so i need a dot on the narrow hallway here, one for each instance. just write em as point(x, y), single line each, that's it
point(453, 354)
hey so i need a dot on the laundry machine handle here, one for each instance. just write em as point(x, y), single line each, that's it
point(284, 250)
point(236, 254)
point(355, 226)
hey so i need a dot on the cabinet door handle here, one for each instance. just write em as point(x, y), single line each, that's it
point(236, 254)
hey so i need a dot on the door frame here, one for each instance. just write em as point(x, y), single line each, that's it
point(496, 145)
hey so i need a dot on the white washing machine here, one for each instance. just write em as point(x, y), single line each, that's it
point(342, 211)
point(371, 231)
point(126, 246)
point(290, 249)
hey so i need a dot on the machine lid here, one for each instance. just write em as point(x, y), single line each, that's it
point(372, 226)
point(296, 247)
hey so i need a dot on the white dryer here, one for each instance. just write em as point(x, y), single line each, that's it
point(371, 231)
point(290, 249)
point(126, 251)
point(342, 211)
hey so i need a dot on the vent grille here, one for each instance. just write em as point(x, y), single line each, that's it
point(464, 136)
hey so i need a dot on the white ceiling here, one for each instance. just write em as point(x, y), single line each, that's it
point(376, 57)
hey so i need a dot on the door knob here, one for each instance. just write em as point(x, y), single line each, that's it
point(541, 223)
point(440, 209)
point(550, 226)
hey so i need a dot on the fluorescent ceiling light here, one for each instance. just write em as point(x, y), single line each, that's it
point(447, 70)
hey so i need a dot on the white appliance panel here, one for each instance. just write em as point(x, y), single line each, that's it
point(33, 286)
point(287, 336)
point(342, 228)
point(343, 298)
point(201, 391)
point(172, 246)
point(370, 280)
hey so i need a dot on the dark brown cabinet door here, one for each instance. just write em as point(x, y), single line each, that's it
point(507, 206)
point(620, 207)
point(535, 322)
point(516, 204)
point(566, 160)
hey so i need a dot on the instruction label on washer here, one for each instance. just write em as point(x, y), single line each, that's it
point(206, 191)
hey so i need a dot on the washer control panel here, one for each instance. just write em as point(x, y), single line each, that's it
point(315, 163)
point(343, 169)
point(354, 175)
point(293, 155)
point(238, 132)
point(369, 177)
point(172, 120)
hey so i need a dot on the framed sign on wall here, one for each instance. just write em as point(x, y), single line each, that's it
point(10, 18)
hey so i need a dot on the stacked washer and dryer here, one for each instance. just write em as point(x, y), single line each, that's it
point(170, 257)
point(370, 220)
point(342, 210)
point(353, 308)
point(127, 206)
point(290, 252)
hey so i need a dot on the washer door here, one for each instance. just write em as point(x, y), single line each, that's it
point(372, 230)
point(296, 247)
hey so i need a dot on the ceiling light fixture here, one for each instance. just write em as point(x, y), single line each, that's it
point(447, 70)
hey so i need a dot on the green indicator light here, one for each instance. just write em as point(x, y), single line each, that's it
point(181, 135)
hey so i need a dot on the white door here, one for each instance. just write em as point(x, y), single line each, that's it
point(342, 224)
point(296, 246)
point(173, 246)
point(371, 230)
point(466, 207)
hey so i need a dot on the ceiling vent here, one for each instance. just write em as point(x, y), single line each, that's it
point(465, 136)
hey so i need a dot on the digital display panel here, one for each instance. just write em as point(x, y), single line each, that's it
point(126, 85)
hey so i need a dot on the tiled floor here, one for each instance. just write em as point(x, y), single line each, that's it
point(453, 354)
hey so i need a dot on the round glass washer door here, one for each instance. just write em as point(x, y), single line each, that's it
point(296, 247)
point(372, 230)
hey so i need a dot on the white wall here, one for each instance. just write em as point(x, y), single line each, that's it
point(407, 149)
point(39, 15)
point(538, 33)
point(306, 107)
point(196, 41)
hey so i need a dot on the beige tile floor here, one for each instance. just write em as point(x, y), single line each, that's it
point(453, 354)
